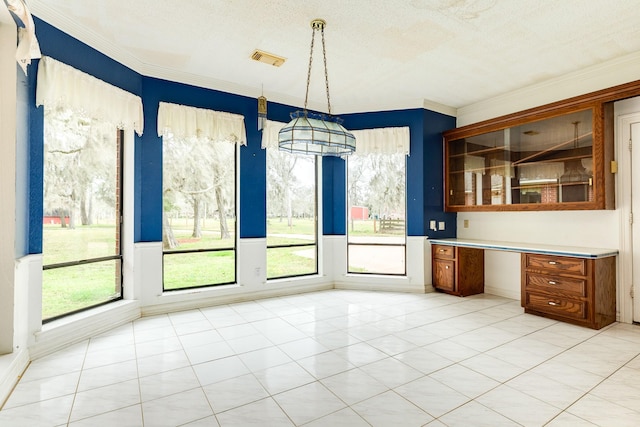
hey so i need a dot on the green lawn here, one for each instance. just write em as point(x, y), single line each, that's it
point(198, 269)
point(72, 288)
point(76, 287)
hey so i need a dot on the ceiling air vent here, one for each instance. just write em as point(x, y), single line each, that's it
point(267, 58)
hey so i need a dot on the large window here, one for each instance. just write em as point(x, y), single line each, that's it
point(82, 213)
point(292, 248)
point(376, 216)
point(199, 195)
point(199, 227)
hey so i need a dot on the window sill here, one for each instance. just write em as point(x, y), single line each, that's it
point(77, 327)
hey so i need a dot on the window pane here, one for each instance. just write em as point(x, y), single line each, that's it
point(82, 211)
point(73, 288)
point(376, 213)
point(199, 211)
point(376, 259)
point(291, 214)
point(295, 261)
point(198, 269)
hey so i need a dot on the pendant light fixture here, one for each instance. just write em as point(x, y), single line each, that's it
point(311, 133)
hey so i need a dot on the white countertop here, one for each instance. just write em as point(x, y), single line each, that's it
point(535, 248)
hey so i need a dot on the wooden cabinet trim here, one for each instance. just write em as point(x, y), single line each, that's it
point(603, 183)
point(608, 95)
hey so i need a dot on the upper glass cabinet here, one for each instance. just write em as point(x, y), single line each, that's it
point(551, 163)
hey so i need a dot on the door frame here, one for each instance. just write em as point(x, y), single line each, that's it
point(627, 113)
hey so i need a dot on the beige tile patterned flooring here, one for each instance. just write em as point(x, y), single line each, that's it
point(339, 358)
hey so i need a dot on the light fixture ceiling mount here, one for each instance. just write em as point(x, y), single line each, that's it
point(311, 133)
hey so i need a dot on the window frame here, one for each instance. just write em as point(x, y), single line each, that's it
point(404, 245)
point(234, 248)
point(315, 244)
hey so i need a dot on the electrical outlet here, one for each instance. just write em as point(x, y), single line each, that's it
point(432, 225)
point(441, 225)
point(466, 223)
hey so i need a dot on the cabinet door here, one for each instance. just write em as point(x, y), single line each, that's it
point(443, 274)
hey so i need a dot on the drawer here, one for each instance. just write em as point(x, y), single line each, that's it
point(556, 284)
point(557, 306)
point(557, 264)
point(443, 251)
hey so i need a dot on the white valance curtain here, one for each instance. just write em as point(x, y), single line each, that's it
point(185, 122)
point(28, 47)
point(382, 141)
point(60, 85)
point(270, 134)
point(369, 141)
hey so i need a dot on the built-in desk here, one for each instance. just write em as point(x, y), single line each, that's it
point(568, 283)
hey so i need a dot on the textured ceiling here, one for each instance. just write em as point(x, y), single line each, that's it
point(381, 53)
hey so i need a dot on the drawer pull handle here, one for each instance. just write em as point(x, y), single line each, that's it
point(446, 267)
point(441, 250)
point(551, 282)
point(553, 303)
point(552, 262)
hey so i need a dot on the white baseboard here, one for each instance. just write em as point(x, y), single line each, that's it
point(384, 287)
point(61, 333)
point(12, 367)
point(501, 292)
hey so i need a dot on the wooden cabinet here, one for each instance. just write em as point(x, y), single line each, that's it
point(575, 290)
point(542, 159)
point(457, 270)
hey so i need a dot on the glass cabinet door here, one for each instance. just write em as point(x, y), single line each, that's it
point(543, 164)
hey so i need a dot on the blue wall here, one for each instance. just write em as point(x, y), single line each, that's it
point(71, 51)
point(334, 196)
point(433, 174)
point(424, 166)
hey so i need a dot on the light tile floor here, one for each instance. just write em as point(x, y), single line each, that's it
point(339, 358)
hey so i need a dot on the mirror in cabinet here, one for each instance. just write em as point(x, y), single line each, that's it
point(551, 163)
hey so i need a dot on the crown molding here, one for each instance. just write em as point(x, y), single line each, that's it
point(439, 108)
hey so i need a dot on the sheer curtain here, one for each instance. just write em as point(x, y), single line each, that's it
point(183, 121)
point(60, 85)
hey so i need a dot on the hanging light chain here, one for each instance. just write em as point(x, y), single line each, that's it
point(318, 24)
point(306, 96)
point(326, 74)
